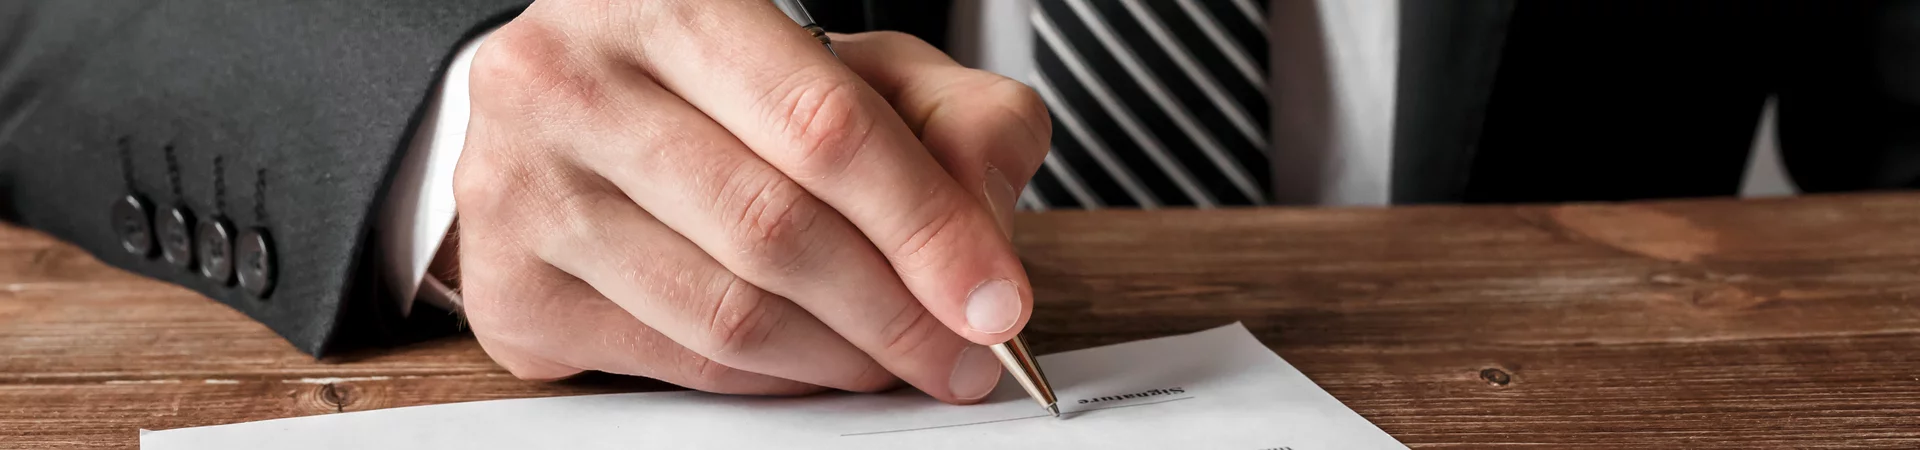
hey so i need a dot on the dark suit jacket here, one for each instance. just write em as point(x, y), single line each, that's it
point(283, 116)
point(1483, 81)
point(287, 117)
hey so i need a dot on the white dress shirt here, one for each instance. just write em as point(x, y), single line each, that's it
point(1331, 80)
point(419, 206)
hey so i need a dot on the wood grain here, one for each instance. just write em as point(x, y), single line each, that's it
point(1700, 324)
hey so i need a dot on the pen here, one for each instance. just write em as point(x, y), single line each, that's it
point(1014, 353)
point(798, 13)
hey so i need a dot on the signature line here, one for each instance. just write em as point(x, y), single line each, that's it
point(1013, 419)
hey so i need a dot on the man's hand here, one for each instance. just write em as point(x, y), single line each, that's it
point(697, 192)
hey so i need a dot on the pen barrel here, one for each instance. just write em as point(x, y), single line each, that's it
point(795, 11)
point(819, 34)
point(1019, 360)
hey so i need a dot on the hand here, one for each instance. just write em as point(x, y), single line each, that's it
point(697, 192)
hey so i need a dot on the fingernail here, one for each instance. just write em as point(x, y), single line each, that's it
point(974, 374)
point(1000, 200)
point(993, 306)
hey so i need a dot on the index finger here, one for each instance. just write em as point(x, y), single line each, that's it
point(771, 85)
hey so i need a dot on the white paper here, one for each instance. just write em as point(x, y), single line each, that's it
point(1217, 389)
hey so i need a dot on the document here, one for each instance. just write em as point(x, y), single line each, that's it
point(1216, 389)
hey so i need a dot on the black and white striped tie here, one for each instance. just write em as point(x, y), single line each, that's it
point(1155, 103)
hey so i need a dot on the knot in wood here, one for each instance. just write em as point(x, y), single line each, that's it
point(335, 397)
point(1496, 377)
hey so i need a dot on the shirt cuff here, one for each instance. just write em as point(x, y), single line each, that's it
point(419, 207)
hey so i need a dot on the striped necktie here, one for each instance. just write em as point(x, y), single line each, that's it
point(1155, 103)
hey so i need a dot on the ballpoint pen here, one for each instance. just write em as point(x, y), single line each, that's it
point(1014, 353)
point(798, 13)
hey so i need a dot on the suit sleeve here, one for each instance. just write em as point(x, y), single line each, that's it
point(238, 148)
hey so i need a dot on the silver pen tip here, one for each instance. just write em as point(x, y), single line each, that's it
point(1054, 410)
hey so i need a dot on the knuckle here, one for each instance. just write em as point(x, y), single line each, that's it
point(820, 118)
point(483, 185)
point(521, 200)
point(705, 374)
point(908, 331)
point(985, 112)
point(518, 54)
point(874, 378)
point(1013, 106)
point(664, 16)
point(576, 220)
point(740, 323)
point(771, 225)
point(1025, 105)
point(589, 8)
point(527, 66)
point(921, 248)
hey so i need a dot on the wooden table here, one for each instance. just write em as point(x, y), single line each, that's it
point(1757, 324)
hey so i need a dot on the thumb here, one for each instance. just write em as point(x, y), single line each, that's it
point(1000, 196)
point(988, 131)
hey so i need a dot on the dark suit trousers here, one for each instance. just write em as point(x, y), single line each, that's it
point(1614, 100)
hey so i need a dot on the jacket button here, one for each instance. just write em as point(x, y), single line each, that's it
point(176, 238)
point(131, 223)
point(214, 241)
point(253, 259)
